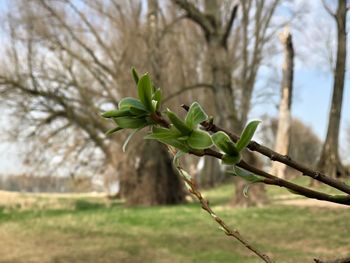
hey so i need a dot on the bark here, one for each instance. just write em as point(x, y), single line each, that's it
point(218, 58)
point(284, 121)
point(329, 162)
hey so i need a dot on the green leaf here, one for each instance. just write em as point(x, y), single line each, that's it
point(245, 189)
point(137, 112)
point(246, 175)
point(247, 135)
point(182, 146)
point(113, 130)
point(159, 133)
point(224, 143)
point(129, 138)
point(135, 75)
point(128, 102)
point(199, 140)
point(195, 115)
point(178, 123)
point(144, 89)
point(116, 113)
point(130, 122)
point(176, 159)
point(157, 95)
point(231, 159)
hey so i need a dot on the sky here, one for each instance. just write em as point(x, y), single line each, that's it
point(311, 100)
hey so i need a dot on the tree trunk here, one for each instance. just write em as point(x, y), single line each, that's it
point(284, 120)
point(329, 161)
point(155, 182)
point(220, 63)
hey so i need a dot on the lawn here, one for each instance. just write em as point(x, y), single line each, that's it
point(84, 228)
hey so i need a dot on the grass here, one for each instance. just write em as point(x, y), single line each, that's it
point(92, 229)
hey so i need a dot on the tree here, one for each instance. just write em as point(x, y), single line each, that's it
point(284, 120)
point(235, 59)
point(329, 161)
point(157, 181)
point(66, 69)
point(305, 146)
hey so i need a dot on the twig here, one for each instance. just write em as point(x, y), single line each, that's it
point(274, 156)
point(270, 179)
point(205, 206)
point(339, 260)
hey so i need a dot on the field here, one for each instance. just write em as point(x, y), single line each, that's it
point(89, 228)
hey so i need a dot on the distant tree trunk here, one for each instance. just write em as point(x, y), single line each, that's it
point(329, 161)
point(155, 181)
point(220, 64)
point(284, 120)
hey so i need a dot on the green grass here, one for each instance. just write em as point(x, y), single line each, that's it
point(92, 230)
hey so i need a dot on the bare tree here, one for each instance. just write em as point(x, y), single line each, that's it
point(329, 161)
point(284, 120)
point(69, 63)
point(233, 63)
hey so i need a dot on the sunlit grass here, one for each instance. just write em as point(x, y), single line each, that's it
point(96, 230)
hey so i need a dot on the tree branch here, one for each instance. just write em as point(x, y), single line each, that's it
point(187, 88)
point(274, 156)
point(191, 186)
point(328, 9)
point(229, 26)
point(269, 178)
point(195, 15)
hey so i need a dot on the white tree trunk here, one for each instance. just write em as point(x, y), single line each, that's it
point(284, 120)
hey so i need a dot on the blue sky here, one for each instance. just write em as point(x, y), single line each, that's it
point(312, 96)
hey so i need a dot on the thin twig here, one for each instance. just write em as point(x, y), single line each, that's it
point(287, 160)
point(205, 205)
point(270, 179)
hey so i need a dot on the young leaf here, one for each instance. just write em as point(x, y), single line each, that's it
point(178, 123)
point(144, 89)
point(224, 143)
point(128, 102)
point(247, 135)
point(131, 123)
point(231, 159)
point(246, 175)
point(199, 140)
point(182, 146)
point(176, 159)
point(159, 133)
point(135, 75)
point(245, 190)
point(113, 130)
point(195, 115)
point(157, 95)
point(129, 138)
point(137, 112)
point(116, 113)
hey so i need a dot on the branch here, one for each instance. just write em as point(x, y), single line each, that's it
point(269, 178)
point(287, 160)
point(187, 88)
point(229, 26)
point(339, 260)
point(223, 226)
point(195, 15)
point(329, 11)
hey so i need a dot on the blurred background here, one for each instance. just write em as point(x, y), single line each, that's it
point(68, 193)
